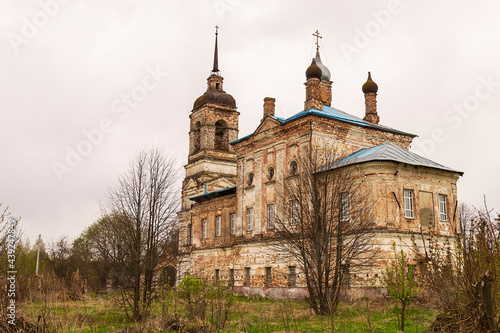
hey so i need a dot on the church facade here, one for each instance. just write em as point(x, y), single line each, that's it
point(230, 194)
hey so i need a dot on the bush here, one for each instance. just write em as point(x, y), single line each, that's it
point(192, 292)
point(200, 297)
point(399, 278)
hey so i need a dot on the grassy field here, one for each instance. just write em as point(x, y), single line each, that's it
point(104, 314)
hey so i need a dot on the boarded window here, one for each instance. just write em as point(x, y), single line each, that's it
point(294, 219)
point(233, 223)
point(269, 277)
point(231, 277)
point(344, 207)
point(426, 209)
point(270, 216)
point(217, 225)
point(247, 276)
point(249, 219)
point(204, 228)
point(292, 276)
point(346, 276)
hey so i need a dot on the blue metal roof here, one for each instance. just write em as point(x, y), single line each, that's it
point(388, 152)
point(215, 194)
point(333, 113)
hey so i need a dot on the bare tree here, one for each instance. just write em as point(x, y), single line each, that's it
point(141, 215)
point(60, 258)
point(326, 224)
point(464, 279)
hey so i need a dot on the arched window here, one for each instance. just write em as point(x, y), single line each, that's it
point(293, 168)
point(196, 136)
point(221, 135)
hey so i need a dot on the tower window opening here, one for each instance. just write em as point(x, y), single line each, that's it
point(196, 137)
point(221, 136)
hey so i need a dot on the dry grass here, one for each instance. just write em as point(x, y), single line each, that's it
point(104, 314)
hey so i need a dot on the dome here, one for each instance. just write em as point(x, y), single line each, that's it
point(313, 71)
point(324, 70)
point(215, 97)
point(370, 86)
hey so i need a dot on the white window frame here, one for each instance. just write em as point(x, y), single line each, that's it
point(249, 218)
point(233, 223)
point(204, 228)
point(270, 216)
point(217, 225)
point(294, 212)
point(345, 208)
point(409, 203)
point(443, 208)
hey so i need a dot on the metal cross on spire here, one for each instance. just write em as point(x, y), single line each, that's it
point(316, 34)
point(215, 69)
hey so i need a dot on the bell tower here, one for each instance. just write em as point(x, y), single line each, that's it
point(213, 125)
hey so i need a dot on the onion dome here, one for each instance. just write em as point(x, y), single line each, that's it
point(313, 71)
point(370, 86)
point(215, 97)
point(324, 70)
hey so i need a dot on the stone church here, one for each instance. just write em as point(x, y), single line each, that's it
point(229, 194)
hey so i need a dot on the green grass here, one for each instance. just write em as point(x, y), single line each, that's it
point(104, 314)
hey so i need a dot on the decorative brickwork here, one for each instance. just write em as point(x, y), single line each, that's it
point(371, 108)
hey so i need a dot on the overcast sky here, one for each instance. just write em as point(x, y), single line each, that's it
point(85, 84)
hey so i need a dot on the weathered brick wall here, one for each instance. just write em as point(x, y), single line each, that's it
point(254, 249)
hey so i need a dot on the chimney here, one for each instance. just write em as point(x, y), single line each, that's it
point(269, 107)
point(370, 89)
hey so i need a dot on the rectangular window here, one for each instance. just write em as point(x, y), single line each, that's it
point(344, 207)
point(217, 225)
point(247, 276)
point(269, 277)
point(250, 219)
point(294, 220)
point(233, 223)
point(231, 277)
point(292, 276)
point(346, 278)
point(270, 216)
point(216, 275)
point(408, 200)
point(204, 228)
point(443, 216)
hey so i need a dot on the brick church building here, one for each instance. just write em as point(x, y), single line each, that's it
point(230, 191)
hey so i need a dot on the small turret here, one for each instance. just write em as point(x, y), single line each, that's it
point(370, 89)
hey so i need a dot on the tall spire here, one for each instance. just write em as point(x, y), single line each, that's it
point(215, 70)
